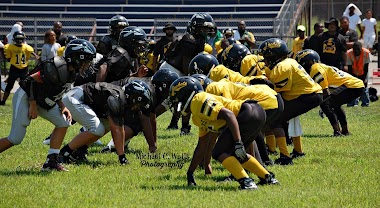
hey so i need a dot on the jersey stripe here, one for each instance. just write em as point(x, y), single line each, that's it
point(318, 78)
point(204, 105)
point(282, 83)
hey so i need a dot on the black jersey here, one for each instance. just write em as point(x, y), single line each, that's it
point(107, 44)
point(56, 80)
point(106, 100)
point(180, 52)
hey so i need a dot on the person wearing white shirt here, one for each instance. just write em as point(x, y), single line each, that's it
point(369, 30)
point(353, 13)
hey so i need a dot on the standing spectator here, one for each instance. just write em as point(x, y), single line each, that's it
point(369, 30)
point(349, 35)
point(50, 48)
point(162, 44)
point(245, 37)
point(214, 36)
point(358, 59)
point(353, 13)
point(61, 38)
point(299, 40)
point(312, 42)
point(332, 45)
point(18, 54)
point(9, 38)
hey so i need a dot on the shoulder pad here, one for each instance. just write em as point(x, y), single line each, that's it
point(56, 71)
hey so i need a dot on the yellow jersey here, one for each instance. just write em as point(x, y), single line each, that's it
point(205, 109)
point(222, 72)
point(297, 45)
point(291, 79)
point(263, 94)
point(61, 51)
point(251, 65)
point(208, 48)
point(19, 55)
point(332, 78)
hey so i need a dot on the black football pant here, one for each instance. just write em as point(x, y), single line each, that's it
point(332, 106)
point(296, 107)
point(14, 74)
point(251, 120)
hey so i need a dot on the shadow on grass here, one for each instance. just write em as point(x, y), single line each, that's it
point(24, 172)
point(316, 135)
point(185, 187)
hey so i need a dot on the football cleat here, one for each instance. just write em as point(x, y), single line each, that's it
point(247, 184)
point(228, 179)
point(296, 154)
point(284, 160)
point(185, 130)
point(172, 127)
point(53, 163)
point(268, 162)
point(272, 152)
point(269, 180)
point(337, 134)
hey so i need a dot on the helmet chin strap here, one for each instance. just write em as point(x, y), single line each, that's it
point(183, 111)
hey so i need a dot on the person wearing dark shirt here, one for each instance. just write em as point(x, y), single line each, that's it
point(61, 38)
point(332, 46)
point(312, 42)
point(349, 35)
point(110, 41)
point(162, 44)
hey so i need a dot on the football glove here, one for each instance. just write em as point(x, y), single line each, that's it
point(190, 179)
point(240, 152)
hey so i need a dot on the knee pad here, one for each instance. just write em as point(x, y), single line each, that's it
point(98, 130)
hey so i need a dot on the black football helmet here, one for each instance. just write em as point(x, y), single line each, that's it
point(70, 38)
point(182, 92)
point(19, 37)
point(202, 64)
point(229, 32)
point(203, 79)
point(133, 39)
point(138, 94)
point(161, 81)
point(233, 55)
point(231, 40)
point(307, 58)
point(79, 53)
point(273, 50)
point(201, 23)
point(117, 23)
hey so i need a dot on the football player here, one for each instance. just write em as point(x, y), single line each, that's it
point(238, 58)
point(40, 95)
point(61, 50)
point(234, 123)
point(299, 92)
point(180, 53)
point(338, 87)
point(18, 54)
point(145, 121)
point(110, 41)
point(101, 107)
point(120, 62)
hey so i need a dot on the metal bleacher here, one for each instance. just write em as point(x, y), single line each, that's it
point(150, 15)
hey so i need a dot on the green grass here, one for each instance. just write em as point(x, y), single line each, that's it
point(336, 172)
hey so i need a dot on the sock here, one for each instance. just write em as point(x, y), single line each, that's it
point(234, 167)
point(297, 144)
point(271, 142)
point(66, 150)
point(253, 166)
point(53, 151)
point(281, 142)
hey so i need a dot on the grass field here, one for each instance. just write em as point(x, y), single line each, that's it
point(336, 172)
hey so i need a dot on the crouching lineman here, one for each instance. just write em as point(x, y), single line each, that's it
point(299, 92)
point(40, 94)
point(145, 121)
point(338, 87)
point(101, 107)
point(216, 115)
